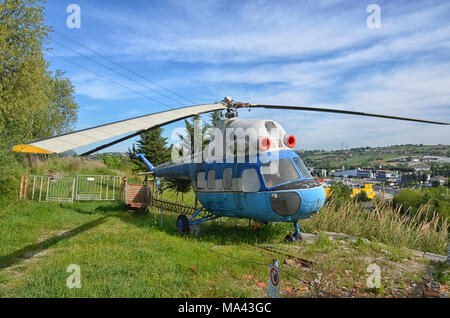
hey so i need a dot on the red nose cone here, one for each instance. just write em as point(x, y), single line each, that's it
point(264, 143)
point(290, 141)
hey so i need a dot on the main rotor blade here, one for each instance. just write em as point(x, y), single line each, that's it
point(136, 125)
point(340, 111)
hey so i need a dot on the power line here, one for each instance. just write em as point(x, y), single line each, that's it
point(125, 68)
point(110, 80)
point(112, 69)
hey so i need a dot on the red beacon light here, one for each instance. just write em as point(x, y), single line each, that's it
point(290, 141)
point(264, 143)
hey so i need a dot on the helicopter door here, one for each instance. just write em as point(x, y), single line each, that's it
point(249, 183)
point(250, 180)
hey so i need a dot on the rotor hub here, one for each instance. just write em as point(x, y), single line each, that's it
point(232, 107)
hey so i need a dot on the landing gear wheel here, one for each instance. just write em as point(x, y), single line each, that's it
point(292, 238)
point(183, 224)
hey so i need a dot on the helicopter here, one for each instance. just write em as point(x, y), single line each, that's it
point(248, 170)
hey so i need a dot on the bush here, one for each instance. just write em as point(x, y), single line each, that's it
point(384, 224)
point(432, 200)
point(339, 194)
point(361, 197)
point(115, 162)
point(8, 189)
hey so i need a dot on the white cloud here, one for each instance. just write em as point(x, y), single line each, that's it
point(313, 53)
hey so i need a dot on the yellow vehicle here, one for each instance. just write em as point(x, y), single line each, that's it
point(367, 189)
point(327, 192)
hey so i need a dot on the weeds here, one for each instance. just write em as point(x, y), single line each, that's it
point(384, 224)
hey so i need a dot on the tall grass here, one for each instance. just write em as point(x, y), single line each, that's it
point(385, 224)
point(69, 166)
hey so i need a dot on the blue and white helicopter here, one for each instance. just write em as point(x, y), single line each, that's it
point(248, 170)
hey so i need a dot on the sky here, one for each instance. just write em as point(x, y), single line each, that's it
point(321, 53)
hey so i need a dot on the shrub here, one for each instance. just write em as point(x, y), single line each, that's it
point(384, 224)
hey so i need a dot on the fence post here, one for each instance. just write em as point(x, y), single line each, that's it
point(161, 216)
point(40, 188)
point(73, 190)
point(124, 188)
point(34, 184)
point(21, 188)
point(26, 186)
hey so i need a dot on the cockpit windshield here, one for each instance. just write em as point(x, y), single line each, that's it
point(301, 166)
point(278, 172)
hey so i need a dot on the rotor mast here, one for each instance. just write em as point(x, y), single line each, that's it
point(232, 107)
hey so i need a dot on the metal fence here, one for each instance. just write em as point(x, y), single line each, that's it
point(46, 188)
point(98, 187)
point(61, 189)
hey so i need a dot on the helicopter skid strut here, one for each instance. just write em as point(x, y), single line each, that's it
point(296, 236)
point(186, 225)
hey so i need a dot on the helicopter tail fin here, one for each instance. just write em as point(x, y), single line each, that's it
point(142, 157)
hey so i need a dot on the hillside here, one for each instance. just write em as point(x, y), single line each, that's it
point(122, 254)
point(367, 157)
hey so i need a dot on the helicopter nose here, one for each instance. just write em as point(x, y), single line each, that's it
point(312, 201)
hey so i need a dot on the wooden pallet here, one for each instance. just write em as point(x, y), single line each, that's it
point(137, 196)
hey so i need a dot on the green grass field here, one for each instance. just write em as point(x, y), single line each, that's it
point(123, 254)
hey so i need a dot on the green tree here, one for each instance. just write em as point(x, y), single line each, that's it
point(340, 193)
point(153, 145)
point(34, 103)
point(194, 136)
point(179, 186)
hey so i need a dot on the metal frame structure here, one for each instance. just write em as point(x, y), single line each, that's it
point(208, 217)
point(55, 192)
point(97, 192)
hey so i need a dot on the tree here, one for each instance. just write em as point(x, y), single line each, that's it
point(153, 145)
point(179, 185)
point(195, 131)
point(23, 69)
point(34, 103)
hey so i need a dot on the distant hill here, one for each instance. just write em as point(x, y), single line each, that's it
point(368, 157)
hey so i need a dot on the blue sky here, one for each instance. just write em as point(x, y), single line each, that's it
point(309, 53)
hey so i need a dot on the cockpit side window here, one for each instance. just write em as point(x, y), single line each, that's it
point(250, 180)
point(227, 178)
point(201, 182)
point(301, 166)
point(211, 179)
point(277, 172)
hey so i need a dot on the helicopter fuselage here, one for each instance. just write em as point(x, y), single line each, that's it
point(248, 189)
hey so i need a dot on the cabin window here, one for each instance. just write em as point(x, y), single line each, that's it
point(278, 172)
point(227, 178)
point(211, 179)
point(250, 180)
point(201, 183)
point(301, 166)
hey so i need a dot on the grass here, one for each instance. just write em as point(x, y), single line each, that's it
point(120, 255)
point(124, 254)
point(384, 224)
